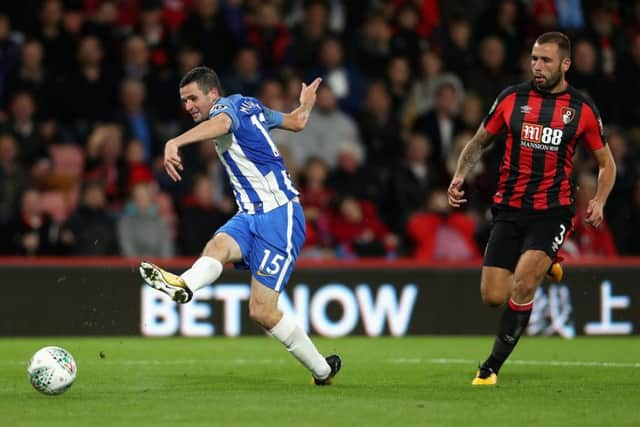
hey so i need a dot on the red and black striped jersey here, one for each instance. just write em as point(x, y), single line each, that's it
point(542, 130)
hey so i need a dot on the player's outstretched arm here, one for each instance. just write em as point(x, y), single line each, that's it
point(606, 179)
point(204, 131)
point(470, 155)
point(297, 119)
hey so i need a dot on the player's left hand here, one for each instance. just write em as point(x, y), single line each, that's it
point(308, 93)
point(455, 192)
point(594, 213)
point(172, 160)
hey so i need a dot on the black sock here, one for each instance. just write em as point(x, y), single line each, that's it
point(513, 321)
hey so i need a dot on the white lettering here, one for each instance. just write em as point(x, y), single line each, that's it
point(195, 310)
point(319, 319)
point(608, 303)
point(159, 314)
point(385, 307)
point(300, 307)
point(232, 294)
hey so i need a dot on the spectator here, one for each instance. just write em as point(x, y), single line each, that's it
point(457, 50)
point(440, 234)
point(423, 92)
point(585, 75)
point(359, 231)
point(269, 35)
point(206, 29)
point(35, 232)
point(590, 241)
point(152, 29)
point(345, 80)
point(353, 177)
point(317, 200)
point(327, 129)
point(31, 76)
point(399, 81)
point(371, 46)
point(631, 244)
point(200, 217)
point(505, 22)
point(442, 123)
point(606, 38)
point(137, 122)
point(410, 183)
point(105, 162)
point(619, 204)
point(103, 24)
point(380, 129)
point(471, 112)
point(13, 180)
point(95, 81)
point(9, 52)
point(92, 228)
point(245, 77)
point(58, 44)
point(307, 36)
point(628, 81)
point(141, 229)
point(406, 41)
point(137, 169)
point(25, 128)
point(489, 77)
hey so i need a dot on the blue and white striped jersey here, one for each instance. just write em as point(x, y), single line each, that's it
point(258, 176)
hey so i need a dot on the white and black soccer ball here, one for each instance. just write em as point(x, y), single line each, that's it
point(52, 370)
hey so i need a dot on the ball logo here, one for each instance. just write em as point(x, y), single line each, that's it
point(568, 114)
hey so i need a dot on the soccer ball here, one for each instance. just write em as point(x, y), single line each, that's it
point(52, 370)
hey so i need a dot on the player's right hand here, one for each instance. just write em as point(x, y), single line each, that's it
point(455, 192)
point(172, 161)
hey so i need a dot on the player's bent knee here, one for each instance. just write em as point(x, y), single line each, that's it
point(220, 247)
point(524, 289)
point(493, 299)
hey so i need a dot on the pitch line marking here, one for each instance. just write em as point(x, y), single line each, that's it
point(568, 363)
point(398, 361)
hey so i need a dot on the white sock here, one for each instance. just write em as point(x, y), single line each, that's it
point(203, 272)
point(289, 333)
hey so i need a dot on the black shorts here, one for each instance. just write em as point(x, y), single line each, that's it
point(514, 232)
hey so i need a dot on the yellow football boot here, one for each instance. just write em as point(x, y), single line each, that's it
point(485, 377)
point(166, 282)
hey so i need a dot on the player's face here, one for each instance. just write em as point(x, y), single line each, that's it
point(196, 102)
point(548, 67)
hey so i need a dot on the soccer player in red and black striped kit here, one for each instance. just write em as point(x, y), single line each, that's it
point(533, 206)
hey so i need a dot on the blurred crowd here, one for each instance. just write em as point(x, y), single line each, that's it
point(89, 95)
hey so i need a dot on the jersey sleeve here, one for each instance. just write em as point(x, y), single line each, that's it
point(224, 105)
point(273, 118)
point(592, 130)
point(494, 122)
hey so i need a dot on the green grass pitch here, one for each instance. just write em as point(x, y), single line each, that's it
point(418, 381)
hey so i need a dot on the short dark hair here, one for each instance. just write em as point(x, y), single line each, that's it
point(205, 77)
point(561, 39)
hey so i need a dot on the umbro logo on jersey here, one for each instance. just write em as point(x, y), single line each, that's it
point(525, 109)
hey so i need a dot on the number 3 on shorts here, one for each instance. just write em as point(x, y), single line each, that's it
point(560, 237)
point(274, 266)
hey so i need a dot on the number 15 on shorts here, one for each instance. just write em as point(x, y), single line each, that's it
point(270, 264)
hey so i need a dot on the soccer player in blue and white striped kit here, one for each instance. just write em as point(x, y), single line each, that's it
point(267, 232)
